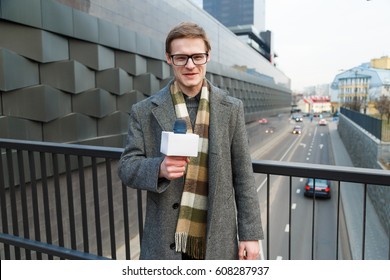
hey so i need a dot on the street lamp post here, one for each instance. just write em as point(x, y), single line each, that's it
point(355, 89)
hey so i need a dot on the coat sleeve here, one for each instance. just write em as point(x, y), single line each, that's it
point(139, 165)
point(247, 201)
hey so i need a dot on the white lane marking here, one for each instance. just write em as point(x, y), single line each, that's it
point(261, 185)
point(293, 206)
point(284, 155)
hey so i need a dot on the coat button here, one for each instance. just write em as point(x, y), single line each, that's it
point(175, 205)
point(172, 246)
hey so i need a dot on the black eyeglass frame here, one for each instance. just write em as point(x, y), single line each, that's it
point(188, 57)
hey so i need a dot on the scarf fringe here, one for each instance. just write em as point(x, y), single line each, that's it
point(193, 246)
point(181, 241)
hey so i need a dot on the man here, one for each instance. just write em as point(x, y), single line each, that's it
point(203, 207)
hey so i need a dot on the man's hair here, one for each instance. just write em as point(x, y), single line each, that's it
point(186, 30)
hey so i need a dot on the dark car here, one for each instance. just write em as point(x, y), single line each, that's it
point(322, 188)
point(297, 118)
point(297, 129)
point(270, 129)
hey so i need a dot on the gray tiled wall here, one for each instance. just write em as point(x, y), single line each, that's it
point(72, 75)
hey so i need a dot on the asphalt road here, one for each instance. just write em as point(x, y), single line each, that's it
point(310, 238)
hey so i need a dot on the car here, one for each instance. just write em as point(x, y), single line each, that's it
point(297, 118)
point(322, 188)
point(270, 129)
point(263, 121)
point(297, 129)
point(322, 122)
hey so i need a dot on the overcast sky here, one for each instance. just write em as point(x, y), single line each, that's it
point(315, 39)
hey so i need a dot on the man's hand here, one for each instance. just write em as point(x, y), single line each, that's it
point(173, 167)
point(248, 250)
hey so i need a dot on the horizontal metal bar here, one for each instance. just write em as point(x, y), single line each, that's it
point(323, 171)
point(49, 249)
point(61, 148)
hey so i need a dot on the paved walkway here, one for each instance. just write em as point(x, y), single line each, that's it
point(377, 241)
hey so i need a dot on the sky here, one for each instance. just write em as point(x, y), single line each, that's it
point(317, 39)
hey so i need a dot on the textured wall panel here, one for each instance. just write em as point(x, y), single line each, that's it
point(157, 49)
point(133, 64)
point(127, 40)
point(33, 43)
point(85, 26)
point(40, 103)
point(71, 128)
point(114, 80)
point(125, 101)
point(146, 83)
point(16, 71)
point(95, 103)
point(113, 124)
point(23, 129)
point(22, 11)
point(108, 34)
point(92, 55)
point(57, 18)
point(107, 141)
point(142, 45)
point(85, 47)
point(70, 76)
point(159, 68)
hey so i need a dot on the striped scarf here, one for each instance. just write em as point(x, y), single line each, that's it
point(190, 236)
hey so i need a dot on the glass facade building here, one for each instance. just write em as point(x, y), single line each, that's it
point(233, 13)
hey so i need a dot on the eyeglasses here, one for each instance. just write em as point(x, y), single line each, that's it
point(182, 59)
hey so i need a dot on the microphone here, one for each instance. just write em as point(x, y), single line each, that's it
point(180, 126)
point(179, 142)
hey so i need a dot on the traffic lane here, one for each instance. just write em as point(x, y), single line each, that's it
point(324, 231)
point(258, 136)
point(278, 149)
point(297, 148)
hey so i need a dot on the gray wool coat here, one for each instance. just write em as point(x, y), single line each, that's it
point(233, 206)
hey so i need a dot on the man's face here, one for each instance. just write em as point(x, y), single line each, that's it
point(190, 76)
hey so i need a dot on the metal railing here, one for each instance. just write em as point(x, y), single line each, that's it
point(370, 124)
point(64, 201)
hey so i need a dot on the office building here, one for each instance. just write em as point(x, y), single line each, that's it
point(246, 19)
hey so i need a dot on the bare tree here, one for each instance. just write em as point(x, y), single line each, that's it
point(383, 107)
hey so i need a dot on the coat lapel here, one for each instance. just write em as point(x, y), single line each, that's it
point(164, 112)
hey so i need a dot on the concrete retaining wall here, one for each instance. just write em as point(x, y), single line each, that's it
point(364, 150)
